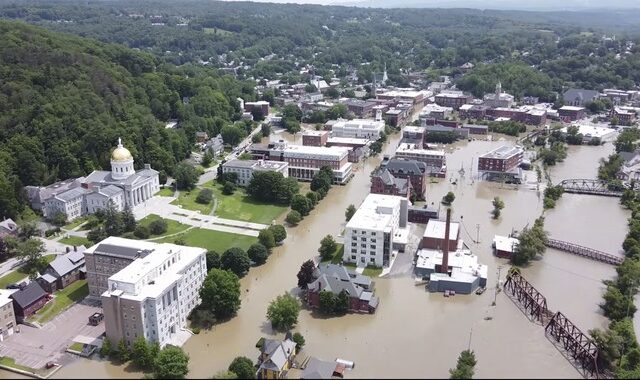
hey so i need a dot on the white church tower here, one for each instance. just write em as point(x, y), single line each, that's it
point(121, 162)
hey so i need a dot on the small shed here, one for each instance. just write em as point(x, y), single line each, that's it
point(504, 246)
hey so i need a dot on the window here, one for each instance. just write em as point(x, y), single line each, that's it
point(373, 260)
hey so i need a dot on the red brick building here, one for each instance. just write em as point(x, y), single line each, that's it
point(433, 237)
point(28, 300)
point(315, 138)
point(571, 113)
point(412, 170)
point(262, 105)
point(503, 159)
point(453, 100)
point(383, 182)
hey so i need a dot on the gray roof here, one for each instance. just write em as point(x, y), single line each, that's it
point(396, 165)
point(72, 194)
point(235, 163)
point(31, 294)
point(104, 177)
point(48, 278)
point(110, 190)
point(120, 251)
point(583, 95)
point(9, 224)
point(40, 194)
point(336, 278)
point(66, 263)
point(476, 126)
point(318, 369)
point(278, 353)
point(439, 128)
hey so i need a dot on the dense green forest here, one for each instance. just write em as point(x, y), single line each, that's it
point(65, 100)
point(263, 40)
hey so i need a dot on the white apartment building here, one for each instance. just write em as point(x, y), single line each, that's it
point(152, 296)
point(372, 231)
point(245, 169)
point(358, 128)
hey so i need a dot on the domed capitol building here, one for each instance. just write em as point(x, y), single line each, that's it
point(123, 186)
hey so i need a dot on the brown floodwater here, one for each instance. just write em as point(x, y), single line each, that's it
point(416, 334)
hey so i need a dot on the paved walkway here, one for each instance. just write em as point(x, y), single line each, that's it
point(161, 206)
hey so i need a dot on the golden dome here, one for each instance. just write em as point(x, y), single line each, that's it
point(121, 153)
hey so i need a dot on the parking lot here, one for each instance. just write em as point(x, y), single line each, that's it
point(34, 347)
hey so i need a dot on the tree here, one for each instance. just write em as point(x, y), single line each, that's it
point(213, 260)
point(310, 87)
point(305, 274)
point(348, 214)
point(313, 197)
point(229, 188)
point(30, 251)
point(283, 312)
point(266, 238)
point(279, 233)
point(291, 125)
point(465, 366)
point(327, 247)
point(301, 204)
point(292, 111)
point(128, 219)
point(172, 363)
point(342, 302)
point(232, 135)
point(265, 130)
point(27, 231)
point(498, 205)
point(205, 196)
point(333, 93)
point(158, 227)
point(143, 353)
point(207, 159)
point(532, 242)
point(617, 305)
point(59, 219)
point(448, 198)
point(327, 302)
point(185, 176)
point(269, 186)
point(256, 139)
point(97, 234)
point(236, 260)
point(113, 224)
point(142, 232)
point(220, 293)
point(293, 217)
point(123, 351)
point(243, 368)
point(258, 253)
point(106, 350)
point(299, 339)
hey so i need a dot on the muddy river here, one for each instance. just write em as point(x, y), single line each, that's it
point(414, 333)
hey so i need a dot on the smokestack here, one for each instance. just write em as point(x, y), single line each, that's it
point(444, 268)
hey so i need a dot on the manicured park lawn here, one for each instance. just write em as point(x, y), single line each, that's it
point(172, 225)
point(61, 301)
point(165, 192)
point(76, 241)
point(75, 223)
point(213, 240)
point(187, 200)
point(18, 274)
point(239, 206)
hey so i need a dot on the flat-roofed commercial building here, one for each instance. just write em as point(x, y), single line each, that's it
point(434, 159)
point(358, 128)
point(153, 295)
point(245, 169)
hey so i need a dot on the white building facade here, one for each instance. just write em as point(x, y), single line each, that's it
point(152, 296)
point(358, 128)
point(245, 169)
point(122, 186)
point(369, 234)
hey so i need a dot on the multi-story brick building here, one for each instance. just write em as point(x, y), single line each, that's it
point(414, 171)
point(383, 182)
point(504, 159)
point(473, 111)
point(571, 113)
point(358, 148)
point(315, 138)
point(433, 237)
point(624, 116)
point(360, 108)
point(305, 161)
point(262, 105)
point(152, 296)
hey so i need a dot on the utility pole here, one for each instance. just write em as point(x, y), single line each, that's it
point(495, 296)
point(477, 233)
point(470, 334)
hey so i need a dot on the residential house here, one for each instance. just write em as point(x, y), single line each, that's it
point(28, 300)
point(276, 358)
point(336, 279)
point(215, 146)
point(201, 136)
point(321, 369)
point(63, 271)
point(8, 227)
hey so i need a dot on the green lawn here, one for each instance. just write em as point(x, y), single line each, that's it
point(63, 299)
point(76, 346)
point(239, 206)
point(75, 223)
point(172, 225)
point(76, 241)
point(28, 215)
point(368, 271)
point(19, 274)
point(165, 192)
point(213, 240)
point(10, 362)
point(187, 200)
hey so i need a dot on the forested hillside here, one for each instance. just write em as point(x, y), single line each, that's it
point(65, 100)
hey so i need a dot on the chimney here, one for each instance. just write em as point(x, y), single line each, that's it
point(444, 268)
point(147, 166)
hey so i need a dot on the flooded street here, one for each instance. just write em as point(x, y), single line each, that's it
point(417, 334)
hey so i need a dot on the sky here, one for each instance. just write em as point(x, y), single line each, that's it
point(480, 4)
